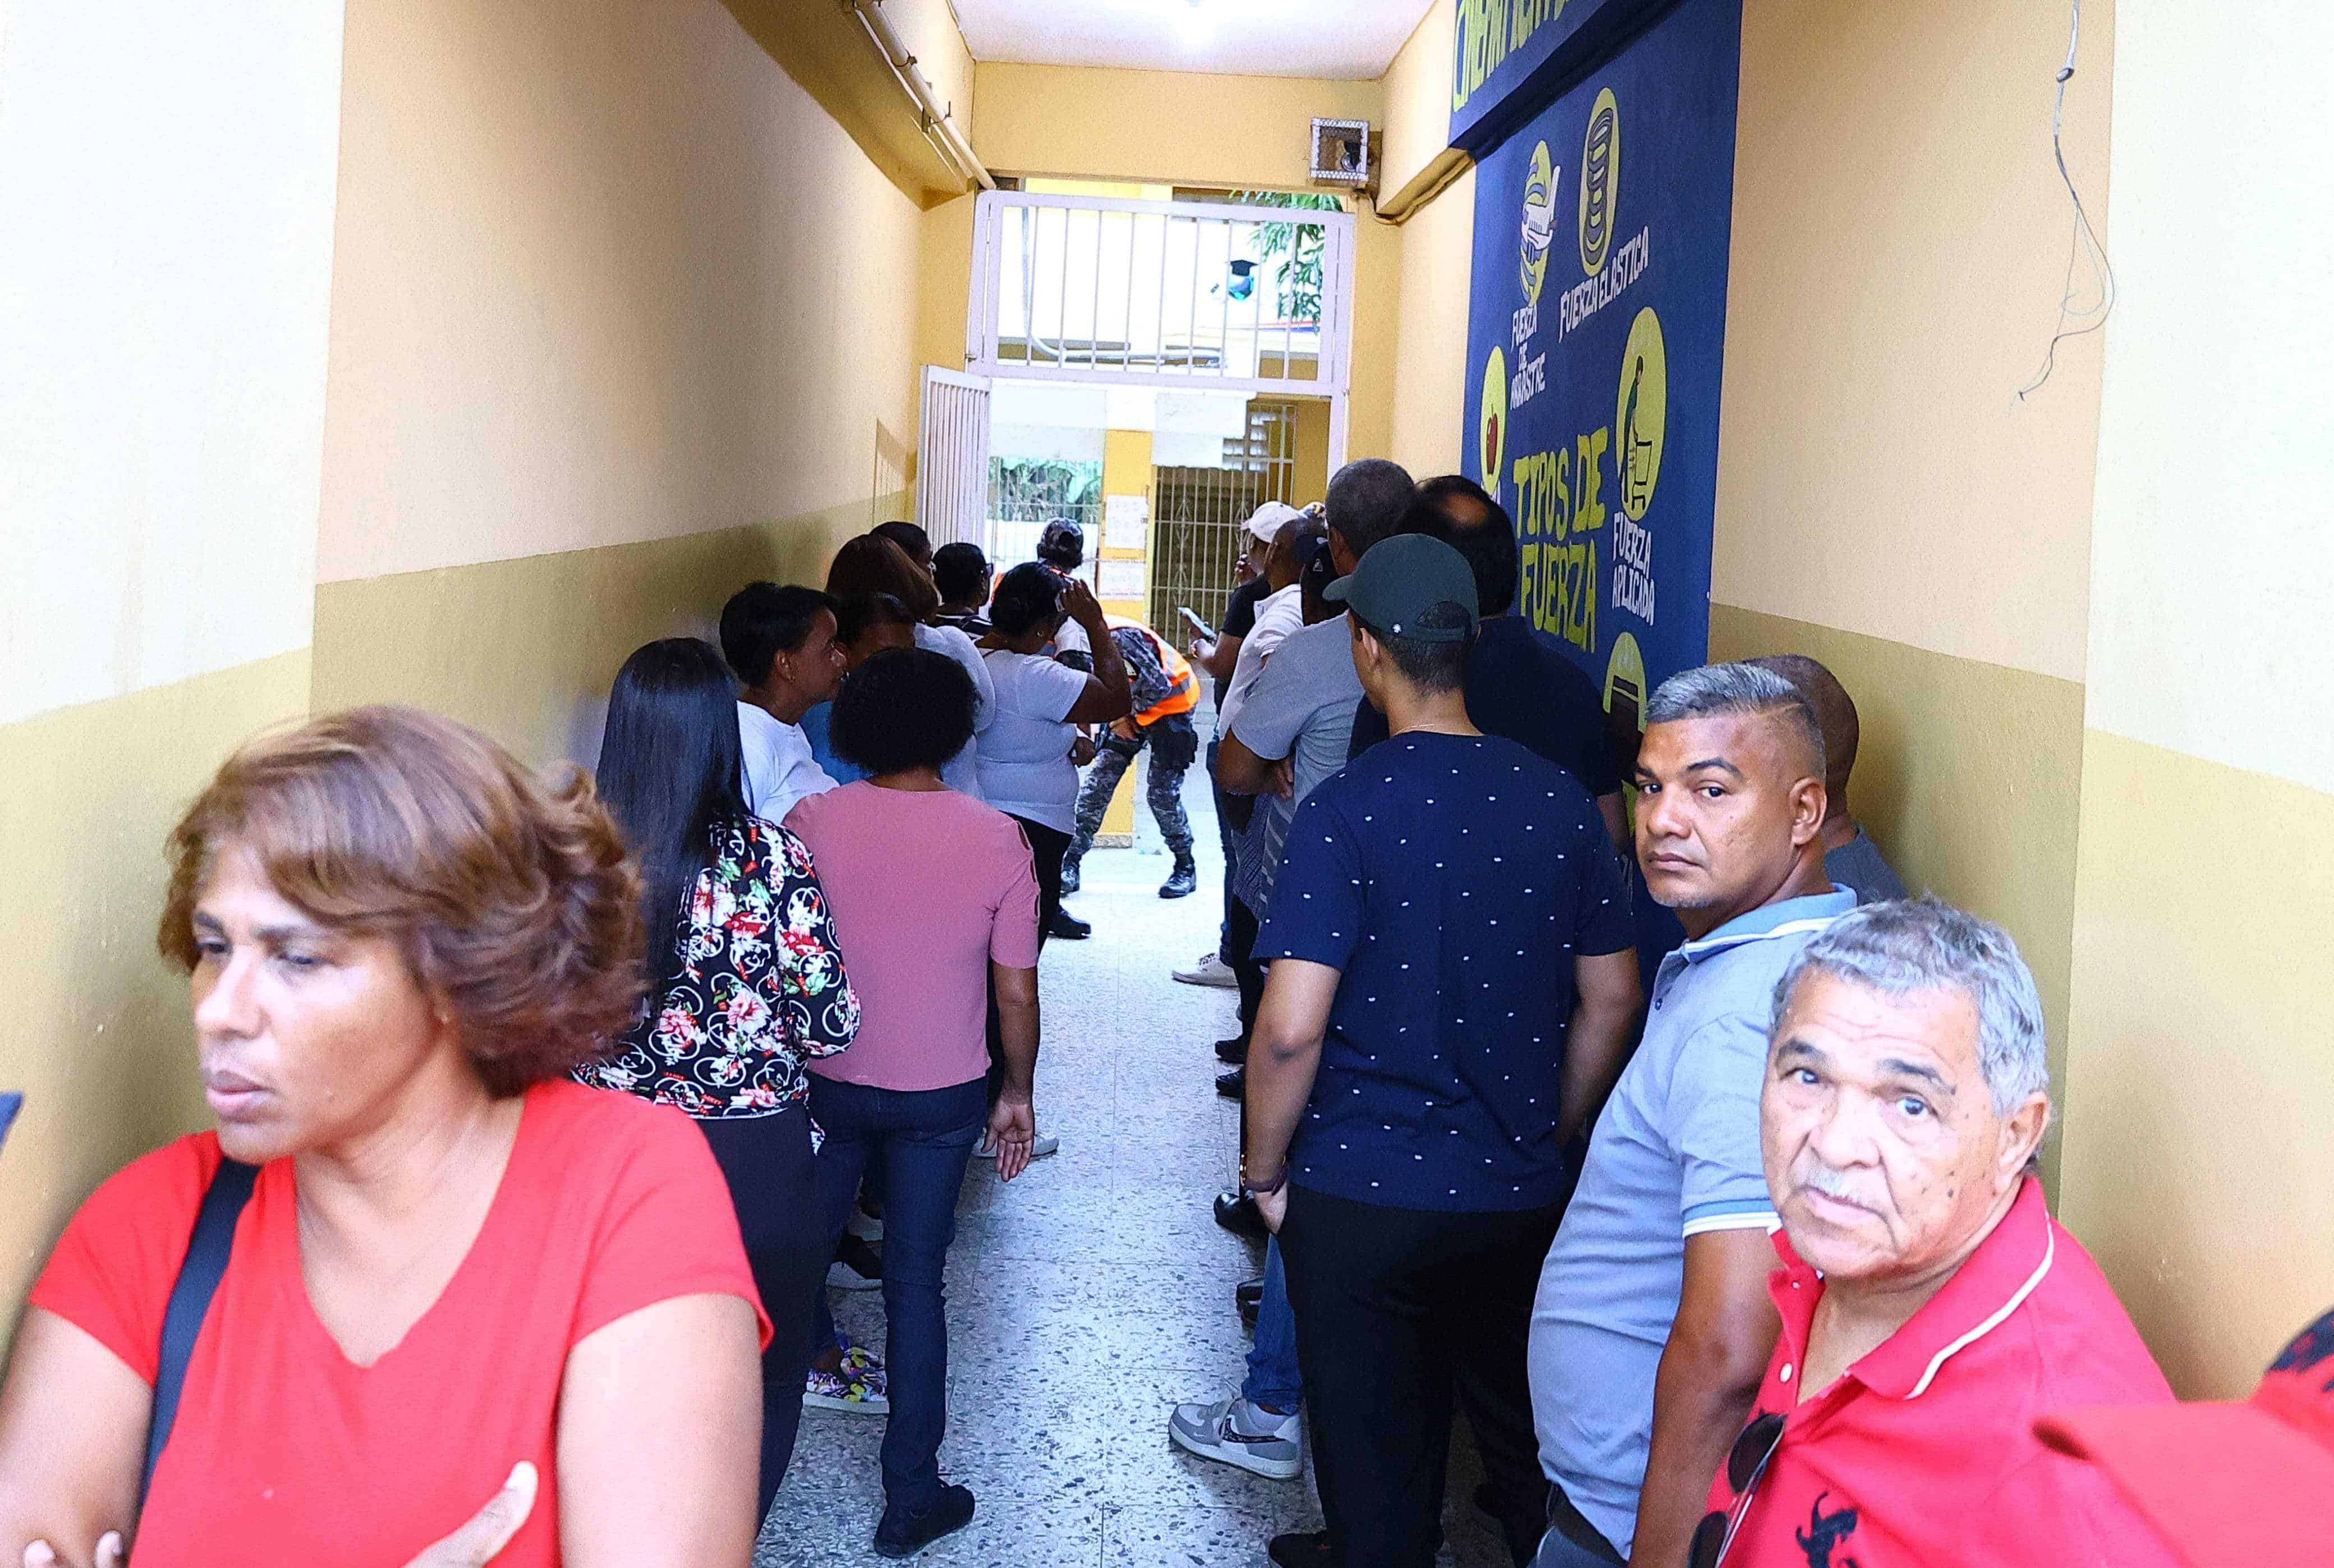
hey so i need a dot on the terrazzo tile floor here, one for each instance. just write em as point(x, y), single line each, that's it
point(1088, 1297)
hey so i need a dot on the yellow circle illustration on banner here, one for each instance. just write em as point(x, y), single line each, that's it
point(1600, 182)
point(1641, 414)
point(1624, 679)
point(1493, 434)
point(1539, 221)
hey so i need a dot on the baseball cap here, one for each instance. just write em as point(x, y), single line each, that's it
point(2229, 1485)
point(1264, 523)
point(1402, 580)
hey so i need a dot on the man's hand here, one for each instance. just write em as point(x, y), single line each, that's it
point(474, 1546)
point(1273, 1207)
point(1123, 729)
point(1013, 1128)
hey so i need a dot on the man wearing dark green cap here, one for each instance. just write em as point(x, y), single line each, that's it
point(1452, 991)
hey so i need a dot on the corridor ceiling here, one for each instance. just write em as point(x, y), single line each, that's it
point(1346, 40)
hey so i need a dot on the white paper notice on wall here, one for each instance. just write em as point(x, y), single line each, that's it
point(1119, 579)
point(1126, 521)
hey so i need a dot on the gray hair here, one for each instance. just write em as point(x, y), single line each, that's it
point(1912, 945)
point(1747, 689)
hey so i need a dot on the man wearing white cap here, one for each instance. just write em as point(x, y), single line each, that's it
point(1219, 656)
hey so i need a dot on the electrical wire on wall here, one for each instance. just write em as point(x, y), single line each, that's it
point(2085, 309)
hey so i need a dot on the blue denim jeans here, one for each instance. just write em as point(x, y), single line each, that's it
point(1272, 1376)
point(920, 1139)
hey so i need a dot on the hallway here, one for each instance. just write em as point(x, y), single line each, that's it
point(1090, 1296)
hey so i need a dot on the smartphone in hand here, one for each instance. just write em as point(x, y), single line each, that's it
point(1206, 633)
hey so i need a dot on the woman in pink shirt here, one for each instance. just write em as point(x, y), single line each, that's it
point(933, 897)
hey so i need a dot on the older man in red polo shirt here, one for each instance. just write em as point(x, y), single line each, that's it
point(1932, 1308)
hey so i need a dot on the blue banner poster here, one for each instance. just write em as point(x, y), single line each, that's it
point(1597, 327)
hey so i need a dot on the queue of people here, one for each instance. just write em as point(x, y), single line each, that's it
point(1666, 1137)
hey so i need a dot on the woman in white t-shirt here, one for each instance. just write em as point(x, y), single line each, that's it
point(1025, 768)
point(872, 563)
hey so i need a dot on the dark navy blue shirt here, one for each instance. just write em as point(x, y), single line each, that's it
point(1453, 880)
point(1522, 685)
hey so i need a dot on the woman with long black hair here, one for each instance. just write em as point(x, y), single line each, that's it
point(745, 987)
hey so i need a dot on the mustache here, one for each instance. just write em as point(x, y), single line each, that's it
point(1818, 1177)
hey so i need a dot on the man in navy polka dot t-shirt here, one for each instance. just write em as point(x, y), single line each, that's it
point(1452, 991)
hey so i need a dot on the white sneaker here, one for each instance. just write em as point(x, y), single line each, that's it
point(1210, 970)
point(985, 1150)
point(1236, 1432)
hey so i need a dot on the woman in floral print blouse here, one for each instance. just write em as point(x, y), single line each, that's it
point(745, 987)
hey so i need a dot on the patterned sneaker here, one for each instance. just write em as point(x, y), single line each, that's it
point(1236, 1432)
point(864, 1389)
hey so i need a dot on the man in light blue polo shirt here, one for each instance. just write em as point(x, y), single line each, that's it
point(1652, 1324)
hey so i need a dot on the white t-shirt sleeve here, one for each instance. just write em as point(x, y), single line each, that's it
point(1276, 616)
point(780, 768)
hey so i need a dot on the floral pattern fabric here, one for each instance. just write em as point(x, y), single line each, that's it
point(761, 989)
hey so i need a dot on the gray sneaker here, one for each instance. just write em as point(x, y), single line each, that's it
point(1238, 1433)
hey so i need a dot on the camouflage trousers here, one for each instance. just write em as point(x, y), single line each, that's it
point(1174, 745)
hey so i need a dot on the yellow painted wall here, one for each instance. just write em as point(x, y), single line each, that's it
point(603, 273)
point(2200, 1138)
point(166, 225)
point(1434, 258)
point(1183, 128)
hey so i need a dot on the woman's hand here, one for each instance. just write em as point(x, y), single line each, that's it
point(1082, 751)
point(474, 1546)
point(110, 1553)
point(1078, 604)
point(1013, 1128)
point(490, 1529)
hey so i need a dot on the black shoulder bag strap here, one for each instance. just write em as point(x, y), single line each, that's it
point(190, 1300)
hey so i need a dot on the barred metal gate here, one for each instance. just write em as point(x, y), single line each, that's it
point(952, 462)
point(1197, 513)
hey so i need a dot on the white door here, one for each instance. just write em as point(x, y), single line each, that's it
point(953, 458)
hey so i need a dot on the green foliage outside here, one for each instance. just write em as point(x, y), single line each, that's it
point(1298, 247)
point(1036, 489)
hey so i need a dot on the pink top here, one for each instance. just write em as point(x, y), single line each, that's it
point(926, 888)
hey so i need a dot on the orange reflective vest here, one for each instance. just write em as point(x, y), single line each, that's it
point(1183, 685)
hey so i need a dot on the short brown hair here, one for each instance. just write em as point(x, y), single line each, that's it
point(514, 902)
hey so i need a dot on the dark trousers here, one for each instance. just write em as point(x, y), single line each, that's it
point(1174, 745)
point(1396, 1309)
point(1245, 968)
point(1232, 819)
point(774, 1184)
point(1045, 848)
point(921, 1141)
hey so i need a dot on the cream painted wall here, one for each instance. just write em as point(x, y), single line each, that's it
point(2213, 572)
point(1226, 130)
point(2200, 1142)
point(166, 230)
point(603, 273)
point(166, 177)
point(1899, 253)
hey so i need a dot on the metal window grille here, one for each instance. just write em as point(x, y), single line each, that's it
point(1197, 513)
point(1175, 295)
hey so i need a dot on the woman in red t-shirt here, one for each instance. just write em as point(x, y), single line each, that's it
point(453, 1260)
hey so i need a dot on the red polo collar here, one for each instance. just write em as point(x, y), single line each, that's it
point(1994, 1284)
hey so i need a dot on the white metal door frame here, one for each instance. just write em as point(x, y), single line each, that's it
point(953, 458)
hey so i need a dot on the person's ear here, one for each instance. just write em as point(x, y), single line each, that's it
point(1809, 804)
point(2021, 1135)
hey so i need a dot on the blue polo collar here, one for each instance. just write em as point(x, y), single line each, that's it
point(1784, 917)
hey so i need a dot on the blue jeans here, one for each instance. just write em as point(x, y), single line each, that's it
point(920, 1139)
point(1272, 1376)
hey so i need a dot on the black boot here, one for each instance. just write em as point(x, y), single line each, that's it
point(1069, 873)
point(1184, 879)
